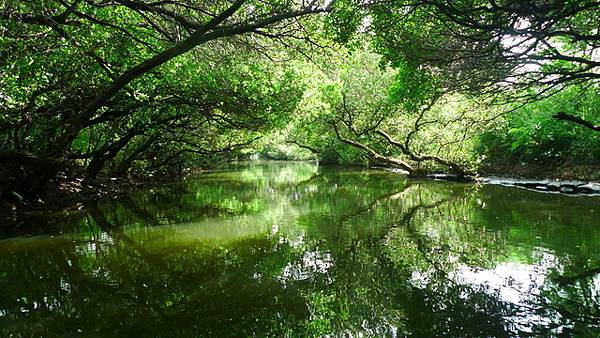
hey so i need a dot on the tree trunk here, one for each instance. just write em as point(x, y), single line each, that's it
point(108, 153)
point(126, 163)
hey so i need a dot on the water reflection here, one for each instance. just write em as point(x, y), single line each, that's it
point(293, 249)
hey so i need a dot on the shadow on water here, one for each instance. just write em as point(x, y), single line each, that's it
point(294, 249)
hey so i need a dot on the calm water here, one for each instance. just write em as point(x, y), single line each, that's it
point(293, 249)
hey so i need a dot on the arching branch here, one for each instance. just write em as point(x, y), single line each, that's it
point(375, 155)
point(419, 158)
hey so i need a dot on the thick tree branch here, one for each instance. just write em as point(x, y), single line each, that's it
point(571, 118)
point(375, 155)
point(419, 158)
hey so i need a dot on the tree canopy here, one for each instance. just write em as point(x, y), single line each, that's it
point(93, 88)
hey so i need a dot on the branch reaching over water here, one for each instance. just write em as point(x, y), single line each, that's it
point(304, 146)
point(375, 155)
point(419, 158)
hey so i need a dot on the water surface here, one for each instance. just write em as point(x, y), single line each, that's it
point(300, 250)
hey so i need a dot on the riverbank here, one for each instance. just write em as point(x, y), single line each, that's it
point(72, 194)
point(565, 178)
point(570, 187)
point(67, 195)
point(589, 173)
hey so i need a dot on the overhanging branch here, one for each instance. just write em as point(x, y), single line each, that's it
point(572, 118)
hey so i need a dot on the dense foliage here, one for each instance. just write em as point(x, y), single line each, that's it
point(93, 89)
point(530, 135)
point(110, 87)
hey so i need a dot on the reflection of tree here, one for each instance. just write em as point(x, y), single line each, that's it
point(571, 301)
point(437, 305)
point(357, 252)
point(121, 281)
point(566, 229)
point(566, 280)
point(574, 308)
point(366, 290)
point(122, 289)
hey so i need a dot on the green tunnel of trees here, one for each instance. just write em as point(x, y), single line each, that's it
point(93, 88)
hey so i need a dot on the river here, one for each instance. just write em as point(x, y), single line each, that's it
point(277, 249)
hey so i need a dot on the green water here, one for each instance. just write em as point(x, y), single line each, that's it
point(298, 250)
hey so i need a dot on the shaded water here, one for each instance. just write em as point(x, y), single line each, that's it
point(293, 249)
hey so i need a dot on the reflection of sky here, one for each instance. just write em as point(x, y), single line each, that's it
point(514, 282)
point(312, 262)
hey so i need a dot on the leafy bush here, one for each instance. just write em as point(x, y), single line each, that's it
point(531, 135)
